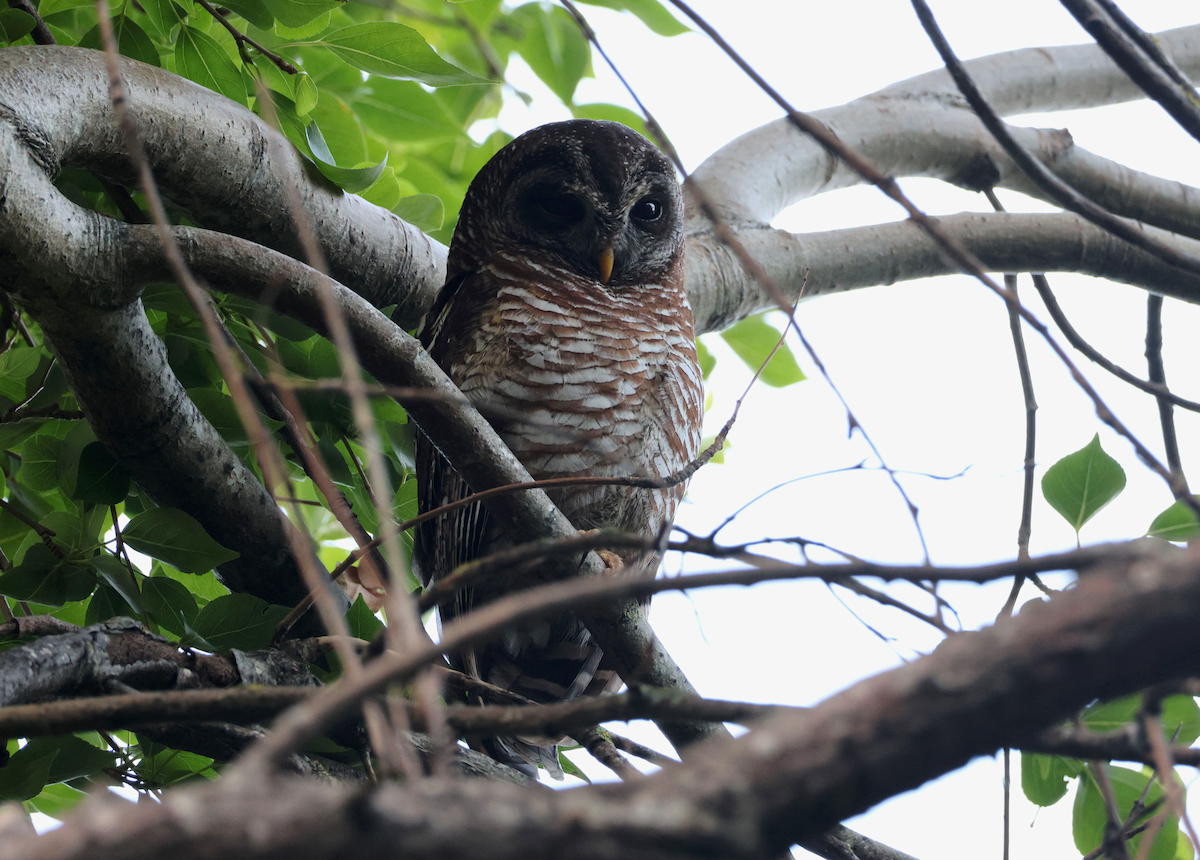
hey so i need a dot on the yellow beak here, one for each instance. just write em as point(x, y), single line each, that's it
point(606, 263)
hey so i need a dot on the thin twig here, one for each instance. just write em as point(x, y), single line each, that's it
point(1179, 99)
point(302, 723)
point(1072, 200)
point(594, 740)
point(1042, 285)
point(1058, 190)
point(1158, 375)
point(269, 457)
point(1114, 831)
point(243, 40)
point(1025, 529)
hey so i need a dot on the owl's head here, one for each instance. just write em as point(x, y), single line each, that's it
point(590, 196)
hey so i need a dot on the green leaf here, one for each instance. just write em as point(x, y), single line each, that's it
point(305, 31)
point(1044, 777)
point(68, 532)
point(296, 13)
point(385, 193)
point(42, 577)
point(101, 480)
point(24, 775)
point(1110, 716)
point(254, 11)
point(352, 179)
point(335, 461)
point(239, 621)
point(340, 130)
point(163, 14)
point(272, 77)
point(306, 93)
point(164, 766)
point(404, 110)
point(169, 603)
point(106, 603)
point(202, 586)
point(1184, 849)
point(1181, 719)
point(1080, 484)
point(14, 433)
point(392, 50)
point(167, 298)
point(14, 24)
point(652, 13)
point(222, 414)
point(752, 340)
point(132, 41)
point(200, 58)
point(114, 572)
point(424, 211)
point(1090, 817)
point(16, 366)
point(73, 757)
point(613, 113)
point(553, 47)
point(362, 621)
point(1177, 523)
point(172, 536)
point(56, 800)
point(78, 438)
point(569, 767)
point(707, 360)
point(39, 462)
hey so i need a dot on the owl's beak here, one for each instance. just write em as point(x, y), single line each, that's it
point(606, 263)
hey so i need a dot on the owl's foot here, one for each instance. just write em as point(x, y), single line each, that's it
point(612, 561)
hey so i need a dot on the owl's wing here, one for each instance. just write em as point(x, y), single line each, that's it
point(451, 539)
point(444, 542)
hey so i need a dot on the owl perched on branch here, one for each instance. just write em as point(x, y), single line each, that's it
point(564, 320)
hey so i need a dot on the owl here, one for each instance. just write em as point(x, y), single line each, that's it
point(565, 322)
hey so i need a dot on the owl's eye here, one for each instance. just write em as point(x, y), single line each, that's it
point(559, 209)
point(647, 209)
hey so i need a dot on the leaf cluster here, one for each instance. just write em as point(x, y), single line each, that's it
point(394, 101)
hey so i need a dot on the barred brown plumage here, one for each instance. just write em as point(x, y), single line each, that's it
point(564, 319)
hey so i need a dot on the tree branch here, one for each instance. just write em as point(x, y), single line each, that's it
point(790, 778)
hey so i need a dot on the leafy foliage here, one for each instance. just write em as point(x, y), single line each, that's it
point(1045, 779)
point(397, 103)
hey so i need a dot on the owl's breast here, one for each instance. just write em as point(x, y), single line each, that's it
point(582, 381)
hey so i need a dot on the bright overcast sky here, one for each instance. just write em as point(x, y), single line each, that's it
point(927, 367)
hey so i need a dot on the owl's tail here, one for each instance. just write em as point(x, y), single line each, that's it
point(590, 678)
point(525, 756)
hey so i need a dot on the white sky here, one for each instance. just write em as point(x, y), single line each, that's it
point(927, 367)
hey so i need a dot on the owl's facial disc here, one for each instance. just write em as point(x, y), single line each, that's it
point(613, 234)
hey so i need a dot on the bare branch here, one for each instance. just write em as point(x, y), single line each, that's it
point(787, 780)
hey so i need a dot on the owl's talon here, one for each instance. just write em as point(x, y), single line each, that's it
point(612, 561)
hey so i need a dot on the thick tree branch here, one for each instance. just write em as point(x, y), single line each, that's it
point(255, 703)
point(58, 99)
point(857, 257)
point(787, 780)
point(900, 128)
